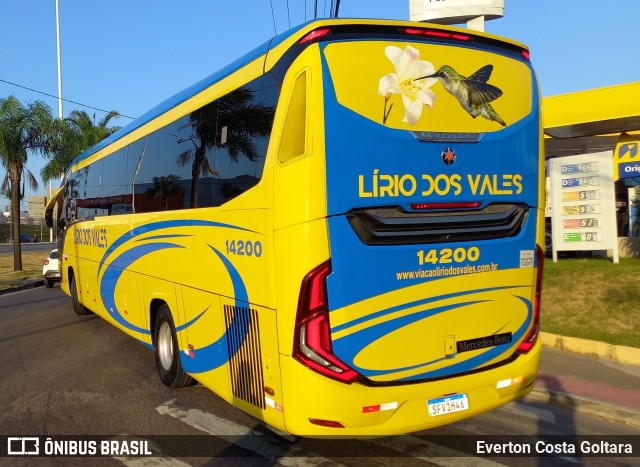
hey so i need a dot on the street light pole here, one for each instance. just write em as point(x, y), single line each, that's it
point(59, 61)
point(59, 91)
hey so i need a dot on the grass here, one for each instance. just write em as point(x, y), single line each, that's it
point(31, 268)
point(588, 298)
point(592, 299)
point(31, 261)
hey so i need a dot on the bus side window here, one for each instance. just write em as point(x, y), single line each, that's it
point(244, 124)
point(294, 134)
point(161, 181)
point(115, 196)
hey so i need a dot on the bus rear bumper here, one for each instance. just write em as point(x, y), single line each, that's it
point(361, 411)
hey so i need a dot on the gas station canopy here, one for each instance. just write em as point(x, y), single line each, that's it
point(590, 121)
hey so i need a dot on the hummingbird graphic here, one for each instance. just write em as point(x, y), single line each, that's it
point(473, 93)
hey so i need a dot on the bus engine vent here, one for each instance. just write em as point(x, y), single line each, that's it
point(392, 225)
point(245, 362)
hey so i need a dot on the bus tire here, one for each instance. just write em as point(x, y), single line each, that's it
point(167, 353)
point(78, 307)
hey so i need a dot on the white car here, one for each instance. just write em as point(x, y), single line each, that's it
point(50, 269)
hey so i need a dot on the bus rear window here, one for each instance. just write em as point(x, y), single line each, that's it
point(430, 87)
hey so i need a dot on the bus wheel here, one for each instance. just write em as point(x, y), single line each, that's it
point(167, 352)
point(78, 307)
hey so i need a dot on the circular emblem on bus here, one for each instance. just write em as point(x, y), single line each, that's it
point(448, 156)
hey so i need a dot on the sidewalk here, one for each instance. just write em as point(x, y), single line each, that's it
point(590, 377)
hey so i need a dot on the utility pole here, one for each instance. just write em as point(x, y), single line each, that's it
point(59, 91)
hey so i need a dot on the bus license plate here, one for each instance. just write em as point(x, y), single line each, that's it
point(449, 404)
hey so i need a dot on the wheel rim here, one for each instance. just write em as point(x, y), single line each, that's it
point(165, 346)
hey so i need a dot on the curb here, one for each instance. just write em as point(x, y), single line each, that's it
point(28, 284)
point(617, 414)
point(615, 353)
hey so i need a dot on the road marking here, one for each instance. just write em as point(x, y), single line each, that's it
point(203, 421)
point(530, 411)
point(151, 462)
point(418, 448)
point(273, 447)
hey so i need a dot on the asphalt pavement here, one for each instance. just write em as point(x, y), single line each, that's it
point(586, 376)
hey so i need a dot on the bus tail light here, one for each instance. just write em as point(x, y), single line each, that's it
point(458, 36)
point(312, 339)
point(326, 423)
point(532, 337)
point(450, 205)
point(436, 33)
point(315, 34)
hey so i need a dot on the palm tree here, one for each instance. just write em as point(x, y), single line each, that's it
point(244, 118)
point(22, 129)
point(163, 187)
point(75, 134)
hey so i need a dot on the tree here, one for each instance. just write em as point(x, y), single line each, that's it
point(75, 134)
point(22, 130)
point(163, 187)
point(244, 119)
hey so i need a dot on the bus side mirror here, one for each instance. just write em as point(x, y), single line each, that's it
point(48, 219)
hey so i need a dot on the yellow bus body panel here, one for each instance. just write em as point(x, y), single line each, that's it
point(403, 407)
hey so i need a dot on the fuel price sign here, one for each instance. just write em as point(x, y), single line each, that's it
point(583, 203)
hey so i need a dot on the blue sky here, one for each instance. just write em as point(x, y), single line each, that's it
point(129, 55)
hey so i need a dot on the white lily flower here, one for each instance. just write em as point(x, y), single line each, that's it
point(415, 94)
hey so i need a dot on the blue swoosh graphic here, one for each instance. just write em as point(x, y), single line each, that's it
point(143, 229)
point(348, 347)
point(482, 358)
point(186, 325)
point(423, 301)
point(209, 357)
point(112, 274)
point(218, 353)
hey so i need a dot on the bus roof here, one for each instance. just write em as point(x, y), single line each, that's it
point(293, 35)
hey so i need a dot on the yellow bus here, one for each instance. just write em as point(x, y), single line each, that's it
point(341, 233)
